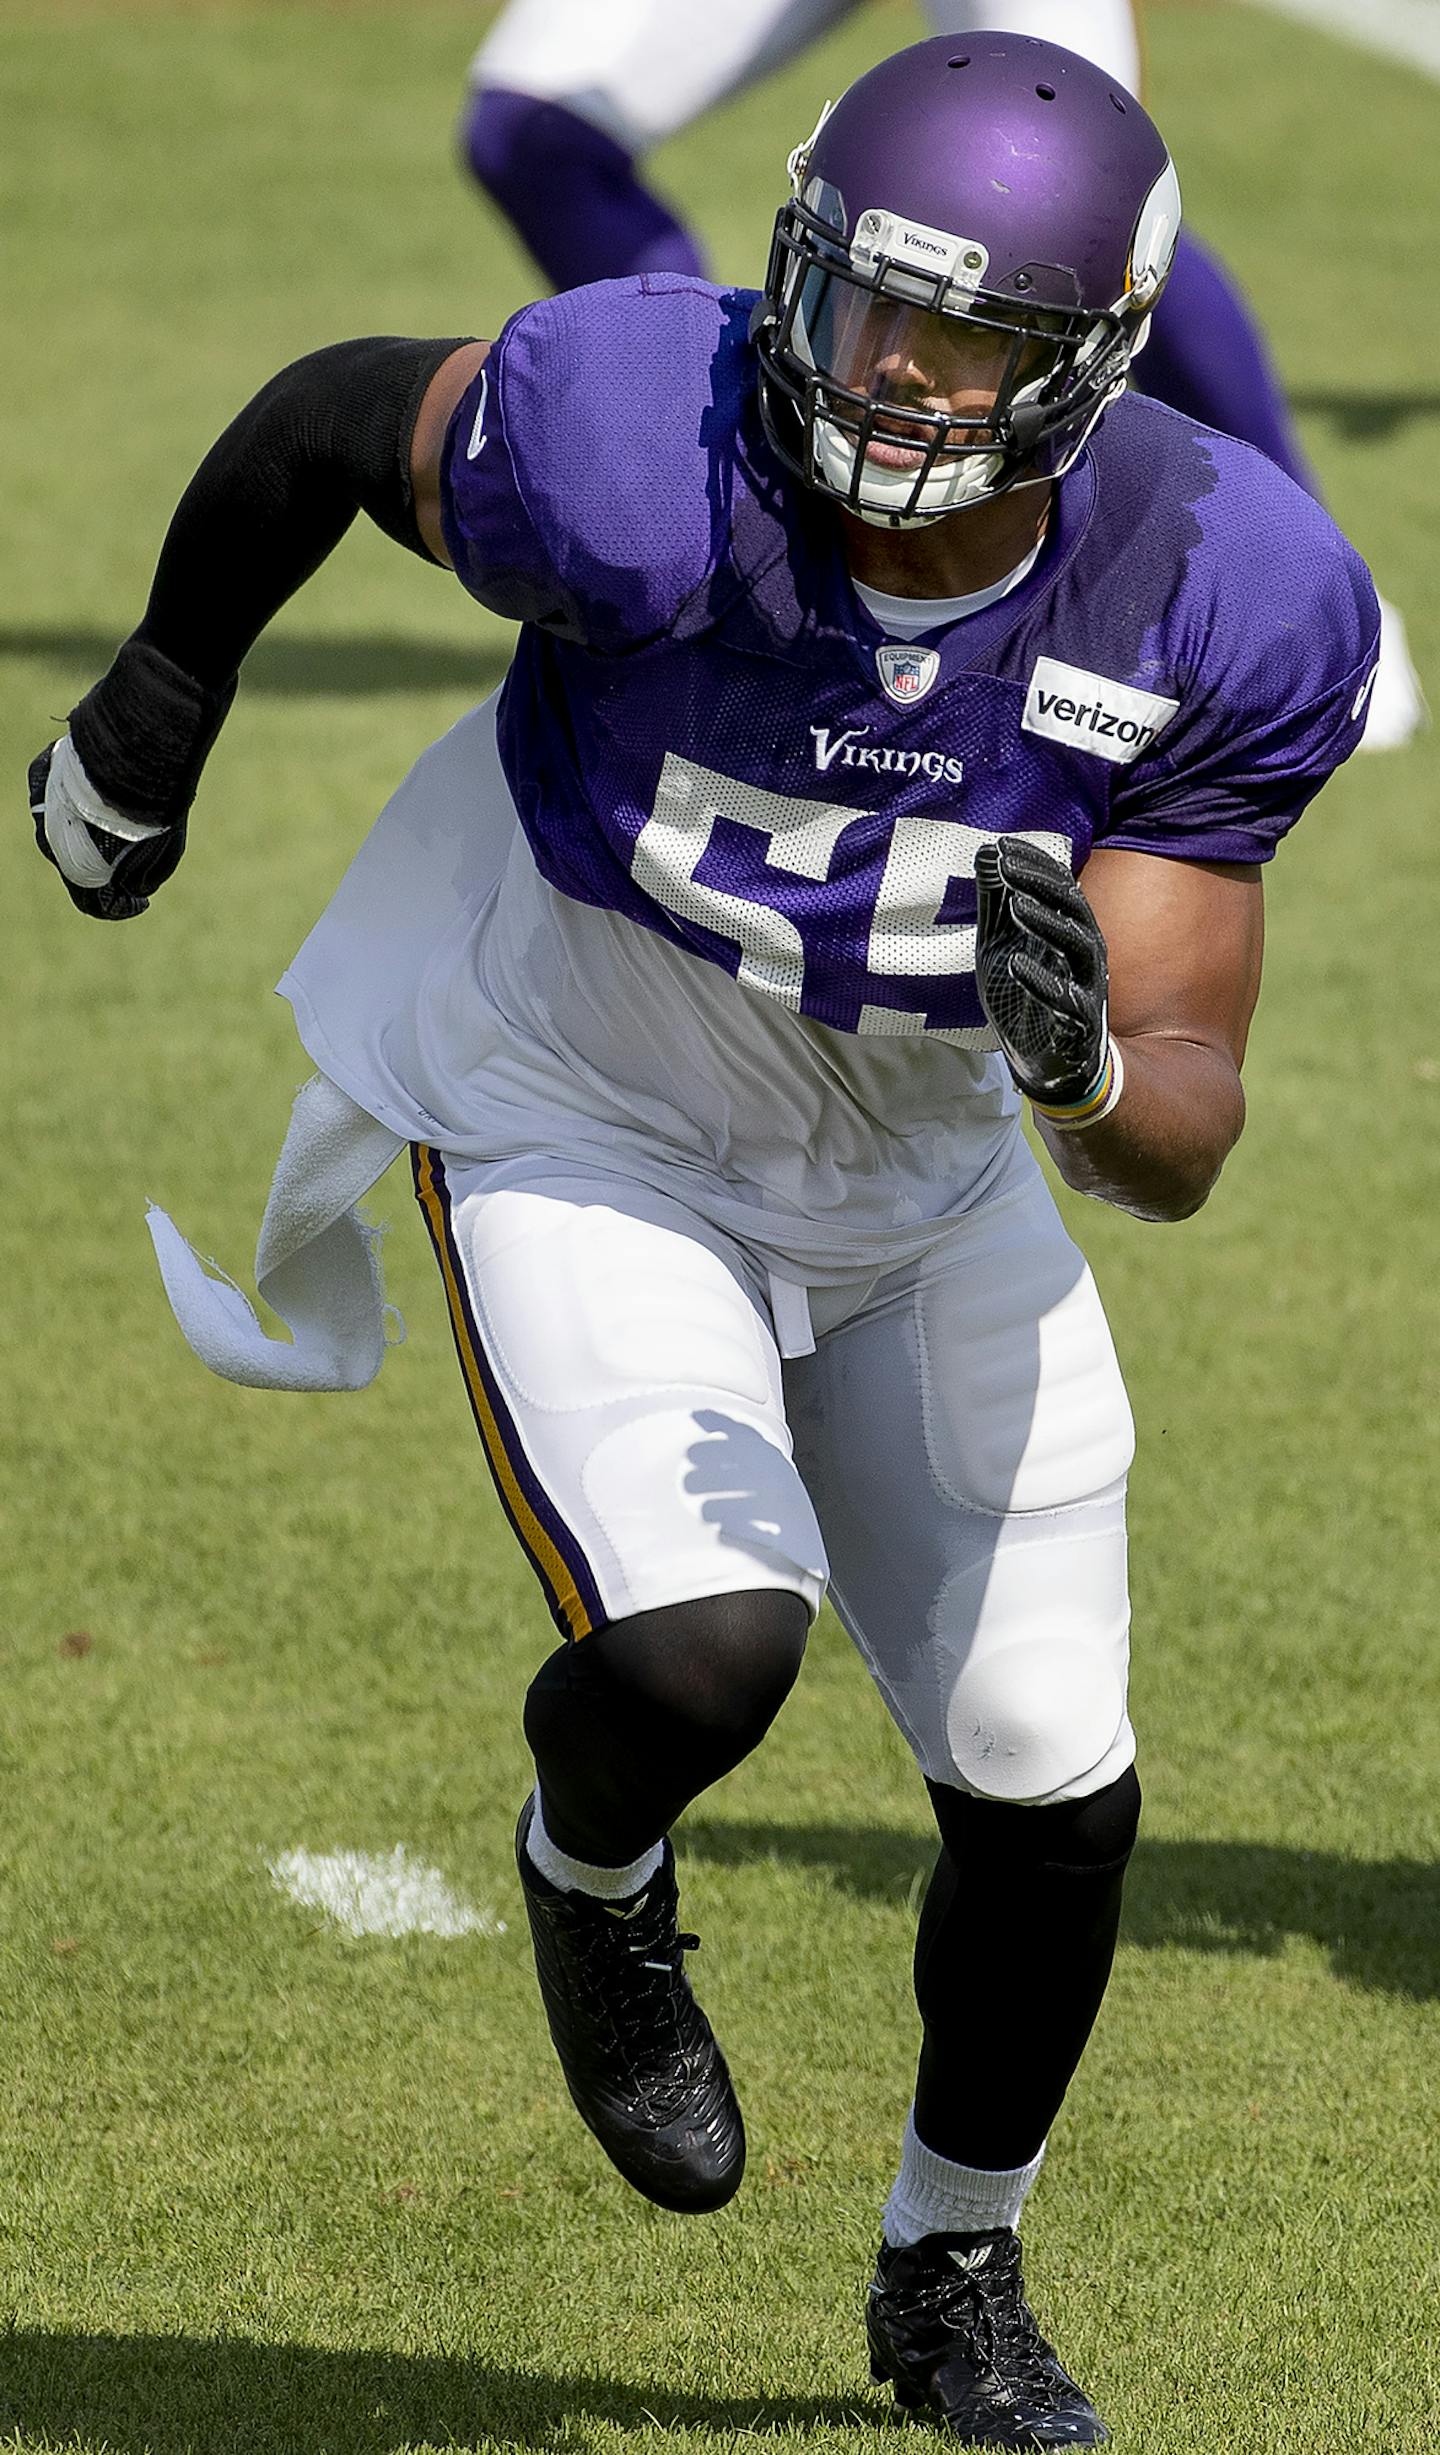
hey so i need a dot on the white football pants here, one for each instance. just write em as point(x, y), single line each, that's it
point(643, 69)
point(950, 1455)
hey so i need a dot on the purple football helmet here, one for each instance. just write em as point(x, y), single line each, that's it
point(976, 235)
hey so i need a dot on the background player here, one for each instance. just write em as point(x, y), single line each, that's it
point(567, 97)
point(747, 1261)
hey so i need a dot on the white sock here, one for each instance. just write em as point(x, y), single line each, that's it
point(577, 1875)
point(934, 2195)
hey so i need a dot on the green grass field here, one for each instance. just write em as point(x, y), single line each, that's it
point(270, 2191)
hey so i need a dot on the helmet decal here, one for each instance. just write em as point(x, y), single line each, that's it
point(1152, 250)
point(798, 161)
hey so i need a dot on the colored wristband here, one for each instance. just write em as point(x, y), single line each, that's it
point(1073, 1116)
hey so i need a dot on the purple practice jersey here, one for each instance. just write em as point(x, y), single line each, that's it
point(703, 729)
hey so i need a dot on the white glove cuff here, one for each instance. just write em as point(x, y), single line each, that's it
point(72, 808)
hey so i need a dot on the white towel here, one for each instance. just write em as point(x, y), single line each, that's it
point(317, 1263)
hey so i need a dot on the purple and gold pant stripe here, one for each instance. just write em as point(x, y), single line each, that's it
point(556, 1557)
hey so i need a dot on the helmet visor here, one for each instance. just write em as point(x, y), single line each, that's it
point(909, 366)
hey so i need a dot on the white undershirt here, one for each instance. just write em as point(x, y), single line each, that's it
point(907, 617)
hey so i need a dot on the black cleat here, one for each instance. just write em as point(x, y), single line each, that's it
point(951, 2331)
point(638, 2054)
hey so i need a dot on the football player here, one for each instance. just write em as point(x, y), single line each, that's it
point(901, 718)
point(565, 96)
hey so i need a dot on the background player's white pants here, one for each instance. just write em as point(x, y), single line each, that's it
point(642, 69)
point(953, 1452)
point(1104, 31)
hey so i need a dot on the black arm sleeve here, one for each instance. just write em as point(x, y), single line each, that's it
point(327, 437)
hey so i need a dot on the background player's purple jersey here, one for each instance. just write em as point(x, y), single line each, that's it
point(697, 729)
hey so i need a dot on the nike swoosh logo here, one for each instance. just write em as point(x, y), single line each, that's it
point(478, 439)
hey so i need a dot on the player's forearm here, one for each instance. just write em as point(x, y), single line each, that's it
point(329, 436)
point(1161, 1149)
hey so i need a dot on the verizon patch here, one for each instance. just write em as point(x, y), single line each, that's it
point(1090, 712)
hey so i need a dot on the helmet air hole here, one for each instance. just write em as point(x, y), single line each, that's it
point(1119, 105)
point(963, 62)
point(1046, 92)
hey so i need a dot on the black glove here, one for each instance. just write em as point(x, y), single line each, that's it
point(109, 800)
point(1040, 969)
point(108, 877)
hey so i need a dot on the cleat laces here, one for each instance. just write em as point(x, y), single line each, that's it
point(996, 2328)
point(640, 1993)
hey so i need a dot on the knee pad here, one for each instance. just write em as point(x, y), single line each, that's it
point(1039, 1719)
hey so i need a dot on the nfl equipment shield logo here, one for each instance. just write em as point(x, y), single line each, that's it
point(906, 673)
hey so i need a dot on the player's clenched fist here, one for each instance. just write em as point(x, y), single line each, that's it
point(110, 798)
point(108, 860)
point(1041, 972)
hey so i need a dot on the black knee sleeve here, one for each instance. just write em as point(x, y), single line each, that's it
point(1078, 1833)
point(631, 1724)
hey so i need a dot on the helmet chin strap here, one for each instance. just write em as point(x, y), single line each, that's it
point(896, 519)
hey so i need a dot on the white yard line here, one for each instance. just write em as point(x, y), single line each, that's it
point(1407, 30)
point(395, 1895)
